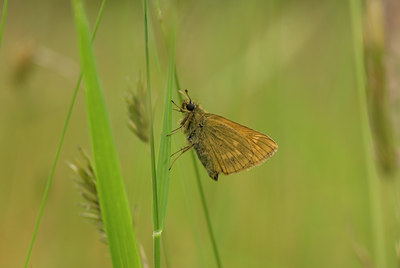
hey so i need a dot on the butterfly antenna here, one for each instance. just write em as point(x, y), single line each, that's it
point(176, 104)
point(187, 94)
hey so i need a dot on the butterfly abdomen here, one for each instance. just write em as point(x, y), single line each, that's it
point(205, 159)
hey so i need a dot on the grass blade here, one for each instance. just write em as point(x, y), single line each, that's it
point(58, 150)
point(165, 142)
point(372, 176)
point(112, 196)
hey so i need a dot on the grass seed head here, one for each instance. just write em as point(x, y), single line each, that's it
point(138, 120)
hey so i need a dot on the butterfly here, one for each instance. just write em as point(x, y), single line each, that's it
point(221, 145)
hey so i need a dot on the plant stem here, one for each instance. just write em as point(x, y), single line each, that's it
point(195, 165)
point(58, 150)
point(373, 180)
point(156, 222)
point(205, 209)
point(53, 167)
point(201, 192)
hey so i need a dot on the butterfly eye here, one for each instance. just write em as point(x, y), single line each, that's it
point(190, 106)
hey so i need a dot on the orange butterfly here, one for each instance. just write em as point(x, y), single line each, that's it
point(221, 145)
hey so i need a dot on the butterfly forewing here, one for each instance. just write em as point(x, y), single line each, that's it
point(235, 147)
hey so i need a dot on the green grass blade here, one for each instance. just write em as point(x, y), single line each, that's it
point(60, 143)
point(3, 19)
point(113, 201)
point(165, 143)
point(372, 176)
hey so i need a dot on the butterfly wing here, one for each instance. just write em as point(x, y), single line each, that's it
point(223, 149)
point(234, 147)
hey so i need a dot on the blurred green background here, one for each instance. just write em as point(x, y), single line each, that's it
point(284, 68)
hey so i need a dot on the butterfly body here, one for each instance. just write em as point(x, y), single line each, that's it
point(193, 127)
point(221, 145)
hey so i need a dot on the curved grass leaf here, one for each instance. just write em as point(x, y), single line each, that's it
point(112, 196)
point(165, 141)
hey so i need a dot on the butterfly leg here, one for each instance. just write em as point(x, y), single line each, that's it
point(182, 150)
point(174, 131)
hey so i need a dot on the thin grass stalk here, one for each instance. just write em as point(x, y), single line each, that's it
point(188, 206)
point(372, 176)
point(3, 19)
point(60, 143)
point(201, 192)
point(156, 222)
point(195, 165)
point(206, 213)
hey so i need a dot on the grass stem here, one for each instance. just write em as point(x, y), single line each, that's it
point(201, 192)
point(156, 221)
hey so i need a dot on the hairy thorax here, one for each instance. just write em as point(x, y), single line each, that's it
point(192, 124)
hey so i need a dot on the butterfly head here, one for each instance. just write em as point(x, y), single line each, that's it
point(188, 105)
